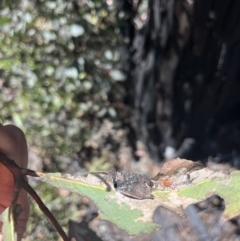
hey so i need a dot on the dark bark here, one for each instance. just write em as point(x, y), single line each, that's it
point(183, 83)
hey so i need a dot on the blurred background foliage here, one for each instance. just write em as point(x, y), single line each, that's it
point(59, 80)
point(59, 72)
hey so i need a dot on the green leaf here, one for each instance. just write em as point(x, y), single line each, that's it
point(227, 187)
point(136, 216)
point(8, 226)
point(124, 212)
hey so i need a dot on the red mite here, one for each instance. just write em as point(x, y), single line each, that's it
point(166, 183)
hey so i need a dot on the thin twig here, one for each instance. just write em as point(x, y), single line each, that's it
point(44, 209)
point(20, 181)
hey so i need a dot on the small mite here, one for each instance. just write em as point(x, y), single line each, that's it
point(166, 183)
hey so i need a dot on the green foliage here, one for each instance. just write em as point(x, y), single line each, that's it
point(59, 73)
point(59, 79)
point(136, 216)
point(8, 226)
point(227, 188)
point(99, 163)
point(110, 206)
